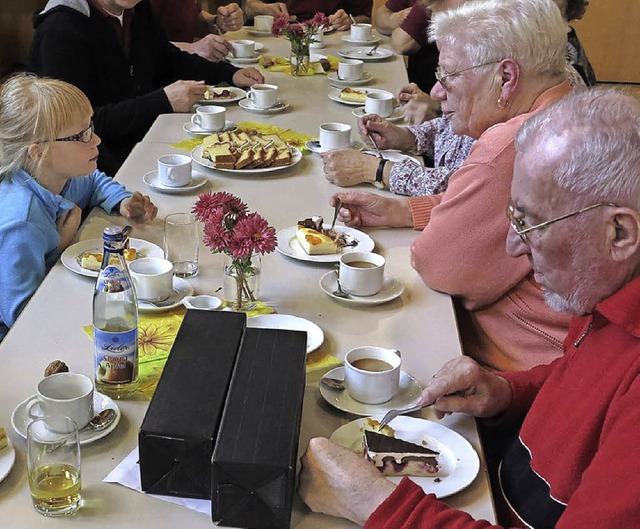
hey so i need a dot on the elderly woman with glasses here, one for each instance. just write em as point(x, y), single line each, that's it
point(500, 62)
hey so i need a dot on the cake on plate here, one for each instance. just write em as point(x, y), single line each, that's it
point(397, 457)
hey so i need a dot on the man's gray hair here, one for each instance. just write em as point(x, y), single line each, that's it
point(597, 134)
point(531, 32)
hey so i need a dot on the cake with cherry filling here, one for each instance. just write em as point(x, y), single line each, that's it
point(396, 457)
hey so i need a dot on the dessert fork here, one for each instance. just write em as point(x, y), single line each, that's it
point(392, 414)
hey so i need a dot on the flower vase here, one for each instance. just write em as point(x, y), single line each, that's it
point(300, 59)
point(241, 282)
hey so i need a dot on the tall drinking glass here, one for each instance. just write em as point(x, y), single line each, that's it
point(181, 243)
point(53, 461)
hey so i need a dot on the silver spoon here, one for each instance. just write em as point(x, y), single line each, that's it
point(101, 420)
point(373, 50)
point(333, 383)
point(338, 292)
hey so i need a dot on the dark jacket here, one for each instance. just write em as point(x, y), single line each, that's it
point(73, 41)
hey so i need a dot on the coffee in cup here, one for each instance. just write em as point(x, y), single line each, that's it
point(263, 95)
point(380, 103)
point(361, 32)
point(210, 118)
point(152, 278)
point(350, 69)
point(174, 170)
point(243, 49)
point(362, 273)
point(69, 394)
point(372, 374)
point(262, 23)
point(335, 136)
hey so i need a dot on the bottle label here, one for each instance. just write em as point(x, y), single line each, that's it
point(113, 279)
point(116, 356)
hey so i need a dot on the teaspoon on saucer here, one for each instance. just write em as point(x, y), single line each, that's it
point(101, 420)
point(333, 383)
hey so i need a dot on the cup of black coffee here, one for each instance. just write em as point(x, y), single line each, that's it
point(372, 374)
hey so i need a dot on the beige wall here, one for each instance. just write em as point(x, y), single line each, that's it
point(15, 32)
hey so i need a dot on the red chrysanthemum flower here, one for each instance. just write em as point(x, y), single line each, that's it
point(253, 235)
point(319, 20)
point(279, 25)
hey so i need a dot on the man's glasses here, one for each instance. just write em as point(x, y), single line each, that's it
point(442, 76)
point(83, 136)
point(521, 228)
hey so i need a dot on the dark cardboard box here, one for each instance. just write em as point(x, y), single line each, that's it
point(255, 455)
point(177, 434)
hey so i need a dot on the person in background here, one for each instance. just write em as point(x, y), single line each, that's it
point(337, 11)
point(500, 62)
point(116, 52)
point(575, 214)
point(406, 21)
point(185, 21)
point(576, 56)
point(48, 154)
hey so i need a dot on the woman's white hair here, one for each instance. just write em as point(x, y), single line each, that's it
point(531, 32)
point(597, 134)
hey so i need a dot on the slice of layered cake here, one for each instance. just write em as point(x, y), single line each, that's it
point(396, 457)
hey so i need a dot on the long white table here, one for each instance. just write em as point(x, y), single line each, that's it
point(421, 323)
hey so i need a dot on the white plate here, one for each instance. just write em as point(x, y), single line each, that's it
point(315, 336)
point(371, 41)
point(289, 245)
point(152, 180)
point(7, 459)
point(243, 60)
point(366, 77)
point(72, 255)
point(20, 418)
point(247, 105)
point(459, 463)
point(396, 156)
point(181, 289)
point(314, 146)
point(196, 156)
point(194, 130)
point(237, 95)
point(334, 94)
point(410, 390)
point(392, 288)
point(396, 115)
point(361, 53)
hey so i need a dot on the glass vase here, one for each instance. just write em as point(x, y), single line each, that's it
point(300, 59)
point(241, 282)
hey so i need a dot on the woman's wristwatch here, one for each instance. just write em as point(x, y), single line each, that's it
point(379, 182)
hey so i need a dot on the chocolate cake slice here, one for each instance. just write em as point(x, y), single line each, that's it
point(396, 457)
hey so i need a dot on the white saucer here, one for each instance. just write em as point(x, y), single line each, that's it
point(257, 32)
point(315, 336)
point(181, 289)
point(247, 105)
point(410, 390)
point(314, 146)
point(370, 42)
point(152, 180)
point(20, 418)
point(391, 289)
point(396, 115)
point(7, 459)
point(243, 60)
point(194, 130)
point(366, 77)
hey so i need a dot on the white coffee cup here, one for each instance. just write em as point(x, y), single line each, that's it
point(262, 22)
point(317, 39)
point(335, 136)
point(263, 95)
point(210, 118)
point(362, 273)
point(152, 278)
point(361, 32)
point(372, 374)
point(350, 69)
point(174, 170)
point(380, 103)
point(69, 394)
point(243, 49)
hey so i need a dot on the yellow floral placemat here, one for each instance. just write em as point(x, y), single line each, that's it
point(296, 139)
point(157, 332)
point(283, 64)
